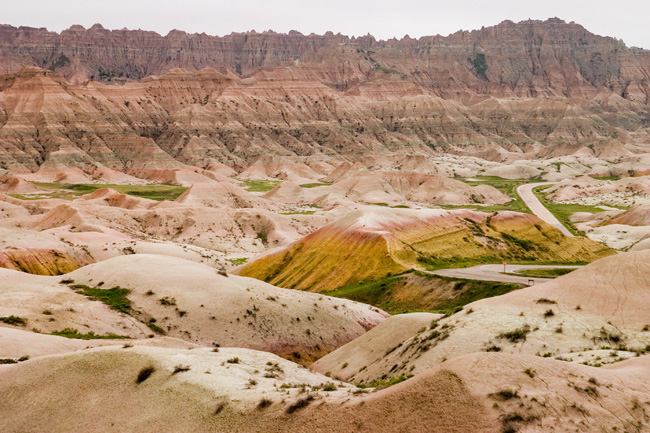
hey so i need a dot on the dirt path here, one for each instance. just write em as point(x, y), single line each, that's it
point(495, 273)
point(528, 196)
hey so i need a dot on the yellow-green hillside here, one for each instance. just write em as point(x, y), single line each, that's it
point(368, 245)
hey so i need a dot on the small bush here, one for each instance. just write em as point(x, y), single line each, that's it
point(329, 387)
point(234, 360)
point(549, 313)
point(264, 403)
point(181, 369)
point(545, 301)
point(155, 328)
point(13, 320)
point(144, 374)
point(302, 403)
point(167, 301)
point(517, 335)
point(506, 394)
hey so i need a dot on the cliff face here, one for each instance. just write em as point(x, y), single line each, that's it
point(532, 58)
point(512, 91)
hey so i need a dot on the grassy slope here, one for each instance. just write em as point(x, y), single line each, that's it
point(417, 291)
point(506, 186)
point(543, 273)
point(157, 192)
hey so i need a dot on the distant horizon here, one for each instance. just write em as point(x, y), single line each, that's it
point(384, 20)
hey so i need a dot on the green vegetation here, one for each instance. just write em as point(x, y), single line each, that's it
point(114, 297)
point(73, 333)
point(479, 65)
point(155, 328)
point(13, 320)
point(474, 290)
point(607, 177)
point(433, 264)
point(59, 62)
point(238, 261)
point(506, 186)
point(158, 192)
point(380, 293)
point(315, 184)
point(385, 70)
point(259, 185)
point(517, 335)
point(543, 273)
point(564, 211)
point(384, 383)
point(301, 212)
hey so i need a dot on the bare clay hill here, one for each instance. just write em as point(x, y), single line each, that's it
point(155, 389)
point(595, 315)
point(143, 295)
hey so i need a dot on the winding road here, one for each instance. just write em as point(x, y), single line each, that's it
point(526, 193)
point(495, 272)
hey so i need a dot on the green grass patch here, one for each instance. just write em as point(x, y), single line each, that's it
point(564, 211)
point(158, 192)
point(259, 185)
point(114, 297)
point(155, 328)
point(474, 290)
point(543, 273)
point(506, 186)
point(300, 212)
point(607, 177)
point(238, 261)
point(13, 320)
point(434, 264)
point(315, 184)
point(75, 334)
point(384, 383)
point(380, 293)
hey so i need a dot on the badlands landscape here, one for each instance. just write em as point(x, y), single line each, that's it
point(269, 232)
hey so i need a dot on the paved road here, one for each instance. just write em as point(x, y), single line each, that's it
point(495, 273)
point(526, 193)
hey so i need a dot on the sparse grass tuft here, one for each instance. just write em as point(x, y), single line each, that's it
point(75, 334)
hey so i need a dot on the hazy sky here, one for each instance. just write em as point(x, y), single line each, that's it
point(623, 19)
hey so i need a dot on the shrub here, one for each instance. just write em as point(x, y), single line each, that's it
point(506, 394)
point(144, 374)
point(517, 335)
point(545, 301)
point(302, 403)
point(329, 387)
point(264, 403)
point(234, 360)
point(13, 320)
point(181, 369)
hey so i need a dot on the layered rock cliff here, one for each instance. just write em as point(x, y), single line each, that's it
point(513, 91)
